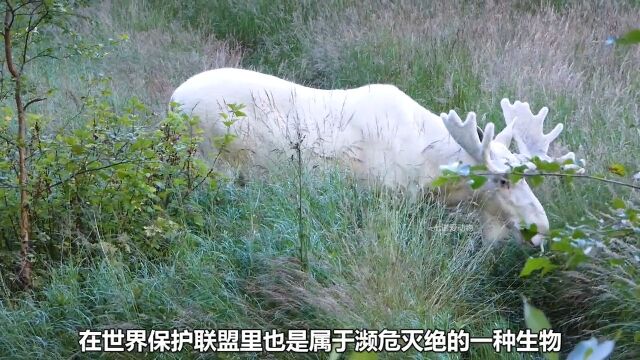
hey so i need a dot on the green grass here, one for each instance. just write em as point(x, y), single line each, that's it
point(375, 264)
point(375, 260)
point(437, 75)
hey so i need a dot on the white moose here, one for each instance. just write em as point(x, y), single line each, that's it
point(380, 133)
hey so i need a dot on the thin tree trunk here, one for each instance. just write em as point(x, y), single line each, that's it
point(24, 275)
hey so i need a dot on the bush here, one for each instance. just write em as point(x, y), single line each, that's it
point(108, 184)
point(599, 255)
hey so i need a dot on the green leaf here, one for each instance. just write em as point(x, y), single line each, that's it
point(618, 203)
point(564, 245)
point(77, 149)
point(514, 178)
point(578, 234)
point(535, 264)
point(520, 169)
point(552, 356)
point(529, 232)
point(479, 167)
point(198, 219)
point(535, 319)
point(577, 258)
point(235, 107)
point(616, 262)
point(363, 356)
point(547, 166)
point(536, 180)
point(449, 173)
point(630, 38)
point(441, 180)
point(617, 169)
point(477, 181)
point(71, 140)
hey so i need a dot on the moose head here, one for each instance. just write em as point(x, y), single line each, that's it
point(510, 203)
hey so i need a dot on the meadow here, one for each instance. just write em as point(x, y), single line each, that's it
point(229, 256)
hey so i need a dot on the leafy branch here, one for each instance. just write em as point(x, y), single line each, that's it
point(569, 175)
point(536, 170)
point(570, 246)
point(590, 349)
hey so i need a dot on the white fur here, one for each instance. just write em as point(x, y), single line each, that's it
point(378, 130)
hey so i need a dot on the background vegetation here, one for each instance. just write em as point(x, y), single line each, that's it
point(225, 255)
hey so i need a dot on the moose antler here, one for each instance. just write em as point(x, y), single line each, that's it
point(466, 135)
point(522, 125)
point(527, 130)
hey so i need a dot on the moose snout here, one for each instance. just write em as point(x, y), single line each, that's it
point(530, 213)
point(537, 239)
point(541, 228)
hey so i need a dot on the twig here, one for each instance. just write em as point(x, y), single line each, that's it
point(304, 257)
point(579, 176)
point(204, 178)
point(7, 140)
point(33, 101)
point(87, 171)
point(41, 54)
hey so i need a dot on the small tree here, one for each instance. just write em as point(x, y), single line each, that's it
point(21, 20)
point(29, 29)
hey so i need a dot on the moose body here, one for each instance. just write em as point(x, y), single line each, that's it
point(377, 131)
point(380, 131)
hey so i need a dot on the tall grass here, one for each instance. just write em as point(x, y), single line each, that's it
point(376, 260)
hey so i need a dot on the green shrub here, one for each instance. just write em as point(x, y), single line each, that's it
point(595, 260)
point(108, 184)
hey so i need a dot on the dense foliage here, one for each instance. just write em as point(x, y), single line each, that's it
point(112, 182)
